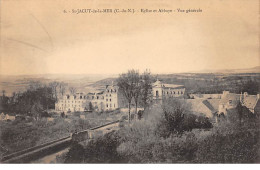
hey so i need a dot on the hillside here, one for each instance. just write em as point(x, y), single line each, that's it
point(12, 84)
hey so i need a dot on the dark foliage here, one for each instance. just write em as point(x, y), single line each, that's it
point(75, 154)
point(177, 118)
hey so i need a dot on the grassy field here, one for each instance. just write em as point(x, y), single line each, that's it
point(19, 135)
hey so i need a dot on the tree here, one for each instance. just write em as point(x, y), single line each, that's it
point(3, 93)
point(174, 116)
point(90, 106)
point(62, 88)
point(137, 88)
point(146, 89)
point(33, 85)
point(126, 83)
point(54, 85)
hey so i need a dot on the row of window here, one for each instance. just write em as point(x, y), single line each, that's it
point(69, 105)
point(111, 105)
point(71, 101)
point(74, 97)
point(172, 92)
point(111, 90)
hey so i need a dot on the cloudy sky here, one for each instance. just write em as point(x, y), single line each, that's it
point(38, 38)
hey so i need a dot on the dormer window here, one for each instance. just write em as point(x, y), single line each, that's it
point(230, 101)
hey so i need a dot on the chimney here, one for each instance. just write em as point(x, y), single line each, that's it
point(225, 93)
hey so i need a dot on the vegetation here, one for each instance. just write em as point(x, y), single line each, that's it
point(163, 137)
point(135, 87)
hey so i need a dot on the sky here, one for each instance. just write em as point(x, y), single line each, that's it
point(37, 37)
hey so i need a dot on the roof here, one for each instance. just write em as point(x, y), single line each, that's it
point(2, 116)
point(214, 103)
point(173, 86)
point(99, 93)
point(230, 96)
point(250, 101)
point(206, 96)
point(160, 84)
point(198, 107)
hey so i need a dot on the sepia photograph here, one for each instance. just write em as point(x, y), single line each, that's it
point(129, 82)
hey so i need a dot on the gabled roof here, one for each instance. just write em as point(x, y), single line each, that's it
point(250, 101)
point(212, 104)
point(230, 96)
point(172, 86)
point(165, 86)
point(198, 107)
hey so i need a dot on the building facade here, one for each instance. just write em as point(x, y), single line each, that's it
point(161, 90)
point(100, 101)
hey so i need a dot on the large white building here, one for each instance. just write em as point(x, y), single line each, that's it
point(161, 90)
point(110, 98)
point(101, 100)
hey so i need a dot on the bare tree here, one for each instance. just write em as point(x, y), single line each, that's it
point(62, 88)
point(146, 88)
point(54, 86)
point(126, 83)
point(137, 88)
point(3, 92)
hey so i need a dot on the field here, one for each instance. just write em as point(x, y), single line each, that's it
point(19, 135)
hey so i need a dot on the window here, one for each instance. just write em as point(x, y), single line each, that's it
point(178, 92)
point(181, 92)
point(92, 97)
point(110, 95)
point(230, 101)
point(114, 105)
point(107, 105)
point(97, 97)
point(110, 99)
point(111, 90)
point(110, 105)
point(106, 99)
point(115, 90)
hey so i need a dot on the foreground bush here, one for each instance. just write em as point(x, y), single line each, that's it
point(155, 140)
